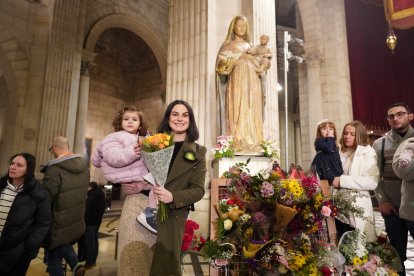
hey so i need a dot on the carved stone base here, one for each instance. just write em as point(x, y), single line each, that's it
point(256, 164)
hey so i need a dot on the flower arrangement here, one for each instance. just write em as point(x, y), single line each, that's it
point(379, 258)
point(270, 223)
point(224, 147)
point(270, 149)
point(275, 222)
point(191, 241)
point(157, 151)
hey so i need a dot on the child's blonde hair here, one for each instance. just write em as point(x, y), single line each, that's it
point(117, 122)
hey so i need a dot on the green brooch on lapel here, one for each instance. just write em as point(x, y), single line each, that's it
point(190, 156)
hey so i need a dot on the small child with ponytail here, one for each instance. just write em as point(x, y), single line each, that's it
point(327, 162)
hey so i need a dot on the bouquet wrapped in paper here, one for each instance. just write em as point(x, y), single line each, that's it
point(157, 152)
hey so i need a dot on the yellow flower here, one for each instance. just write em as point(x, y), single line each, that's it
point(294, 187)
point(297, 261)
point(357, 261)
point(318, 200)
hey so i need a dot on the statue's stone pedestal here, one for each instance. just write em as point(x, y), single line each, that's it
point(256, 164)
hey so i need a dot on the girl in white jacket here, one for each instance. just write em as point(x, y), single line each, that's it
point(360, 176)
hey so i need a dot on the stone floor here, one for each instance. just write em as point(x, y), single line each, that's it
point(106, 263)
point(107, 266)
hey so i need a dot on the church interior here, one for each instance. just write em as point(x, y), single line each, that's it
point(66, 67)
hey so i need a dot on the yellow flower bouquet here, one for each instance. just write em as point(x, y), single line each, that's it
point(157, 152)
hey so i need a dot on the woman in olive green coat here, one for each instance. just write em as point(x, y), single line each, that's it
point(184, 186)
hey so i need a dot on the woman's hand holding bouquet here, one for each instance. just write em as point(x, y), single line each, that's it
point(157, 152)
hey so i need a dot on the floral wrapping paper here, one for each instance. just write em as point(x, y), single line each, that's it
point(158, 163)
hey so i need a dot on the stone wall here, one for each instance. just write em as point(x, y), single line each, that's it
point(324, 82)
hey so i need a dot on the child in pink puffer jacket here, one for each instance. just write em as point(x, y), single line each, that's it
point(119, 157)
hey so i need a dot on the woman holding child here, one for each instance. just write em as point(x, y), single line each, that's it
point(360, 176)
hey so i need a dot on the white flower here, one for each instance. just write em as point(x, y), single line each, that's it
point(245, 217)
point(223, 201)
point(228, 224)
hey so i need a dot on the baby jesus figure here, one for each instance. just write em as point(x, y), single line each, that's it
point(263, 55)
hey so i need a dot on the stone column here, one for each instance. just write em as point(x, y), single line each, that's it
point(264, 22)
point(315, 101)
point(325, 90)
point(82, 111)
point(60, 96)
point(187, 56)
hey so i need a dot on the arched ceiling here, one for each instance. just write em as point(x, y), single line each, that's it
point(132, 54)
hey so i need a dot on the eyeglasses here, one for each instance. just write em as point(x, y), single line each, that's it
point(398, 115)
point(50, 149)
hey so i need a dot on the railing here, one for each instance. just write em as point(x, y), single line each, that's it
point(110, 229)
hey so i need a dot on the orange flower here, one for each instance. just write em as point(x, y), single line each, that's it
point(157, 142)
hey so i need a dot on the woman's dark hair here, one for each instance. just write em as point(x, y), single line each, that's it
point(117, 123)
point(30, 166)
point(192, 131)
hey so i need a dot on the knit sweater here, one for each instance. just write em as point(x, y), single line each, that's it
point(406, 210)
point(389, 185)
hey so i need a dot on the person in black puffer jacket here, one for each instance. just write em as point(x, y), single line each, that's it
point(25, 215)
point(88, 245)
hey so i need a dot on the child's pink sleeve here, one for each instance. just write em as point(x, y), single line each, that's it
point(117, 155)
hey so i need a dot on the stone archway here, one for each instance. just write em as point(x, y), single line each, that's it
point(14, 67)
point(132, 54)
point(139, 28)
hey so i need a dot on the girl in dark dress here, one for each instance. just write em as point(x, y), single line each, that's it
point(327, 162)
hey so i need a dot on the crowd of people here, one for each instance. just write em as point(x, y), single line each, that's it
point(386, 168)
point(67, 208)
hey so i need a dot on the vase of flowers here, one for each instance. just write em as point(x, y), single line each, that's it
point(224, 147)
point(269, 149)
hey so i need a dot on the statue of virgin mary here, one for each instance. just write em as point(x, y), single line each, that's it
point(239, 90)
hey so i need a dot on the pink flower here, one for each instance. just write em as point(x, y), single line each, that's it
point(326, 211)
point(267, 189)
point(375, 259)
point(370, 267)
point(283, 261)
point(220, 262)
